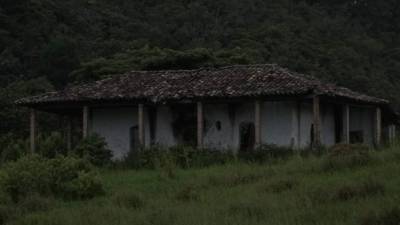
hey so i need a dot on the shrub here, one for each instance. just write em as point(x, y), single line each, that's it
point(387, 217)
point(13, 149)
point(183, 155)
point(85, 186)
point(157, 157)
point(346, 156)
point(266, 152)
point(26, 176)
point(64, 177)
point(94, 148)
point(165, 163)
point(148, 158)
point(50, 146)
point(128, 199)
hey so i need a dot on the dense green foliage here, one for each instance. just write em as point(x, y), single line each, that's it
point(295, 190)
point(63, 177)
point(94, 149)
point(185, 157)
point(47, 44)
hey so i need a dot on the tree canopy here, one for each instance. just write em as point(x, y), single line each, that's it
point(47, 44)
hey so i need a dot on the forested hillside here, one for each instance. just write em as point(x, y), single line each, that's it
point(48, 44)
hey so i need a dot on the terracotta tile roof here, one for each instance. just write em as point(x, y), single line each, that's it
point(225, 82)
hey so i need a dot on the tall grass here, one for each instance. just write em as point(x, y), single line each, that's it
point(296, 190)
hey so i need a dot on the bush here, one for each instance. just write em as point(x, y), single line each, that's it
point(157, 157)
point(85, 186)
point(347, 156)
point(26, 176)
point(94, 148)
point(13, 149)
point(64, 177)
point(50, 146)
point(266, 152)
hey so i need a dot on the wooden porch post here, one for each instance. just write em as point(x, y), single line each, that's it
point(141, 124)
point(346, 124)
point(33, 131)
point(85, 125)
point(200, 125)
point(257, 123)
point(378, 126)
point(316, 122)
point(391, 133)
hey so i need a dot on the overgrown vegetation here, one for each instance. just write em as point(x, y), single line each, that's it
point(283, 189)
point(94, 149)
point(63, 177)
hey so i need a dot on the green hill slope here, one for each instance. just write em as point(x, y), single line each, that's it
point(352, 43)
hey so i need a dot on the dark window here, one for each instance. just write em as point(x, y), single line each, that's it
point(247, 131)
point(218, 125)
point(133, 138)
point(356, 136)
point(338, 124)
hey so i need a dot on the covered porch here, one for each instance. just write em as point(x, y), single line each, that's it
point(240, 124)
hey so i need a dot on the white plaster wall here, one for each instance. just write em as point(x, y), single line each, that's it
point(362, 118)
point(163, 132)
point(114, 124)
point(327, 124)
point(243, 113)
point(306, 119)
point(214, 138)
point(276, 123)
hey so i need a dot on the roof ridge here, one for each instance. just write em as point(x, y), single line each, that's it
point(206, 68)
point(225, 81)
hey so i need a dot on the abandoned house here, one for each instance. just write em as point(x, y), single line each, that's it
point(235, 107)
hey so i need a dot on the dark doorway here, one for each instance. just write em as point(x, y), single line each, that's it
point(338, 123)
point(184, 124)
point(356, 137)
point(312, 134)
point(152, 112)
point(134, 138)
point(246, 132)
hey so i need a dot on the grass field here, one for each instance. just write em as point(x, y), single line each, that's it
point(295, 191)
